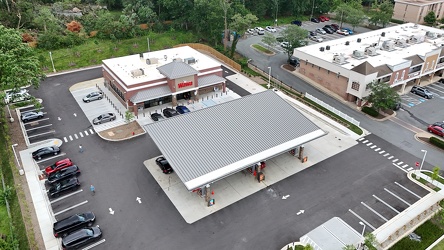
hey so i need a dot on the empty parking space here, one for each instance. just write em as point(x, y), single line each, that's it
point(39, 129)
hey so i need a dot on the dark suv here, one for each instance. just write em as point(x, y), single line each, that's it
point(81, 237)
point(296, 22)
point(72, 223)
point(421, 92)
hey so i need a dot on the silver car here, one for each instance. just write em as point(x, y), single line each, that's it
point(31, 116)
point(104, 118)
point(96, 95)
point(320, 31)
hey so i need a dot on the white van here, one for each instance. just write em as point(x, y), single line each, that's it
point(12, 96)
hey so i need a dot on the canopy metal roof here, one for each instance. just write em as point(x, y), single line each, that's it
point(212, 143)
point(174, 70)
point(151, 93)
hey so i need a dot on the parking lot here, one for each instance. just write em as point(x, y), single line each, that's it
point(39, 129)
point(410, 100)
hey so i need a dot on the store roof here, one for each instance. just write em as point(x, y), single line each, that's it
point(209, 80)
point(174, 70)
point(212, 143)
point(151, 93)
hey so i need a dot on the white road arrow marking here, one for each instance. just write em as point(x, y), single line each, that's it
point(58, 118)
point(75, 115)
point(285, 197)
point(111, 211)
point(139, 200)
point(300, 212)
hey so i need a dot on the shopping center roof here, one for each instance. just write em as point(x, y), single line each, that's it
point(212, 143)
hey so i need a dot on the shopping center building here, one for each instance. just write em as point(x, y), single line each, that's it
point(149, 79)
point(402, 56)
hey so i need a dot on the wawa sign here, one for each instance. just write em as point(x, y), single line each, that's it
point(184, 84)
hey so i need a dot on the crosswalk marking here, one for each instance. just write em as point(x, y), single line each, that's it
point(86, 132)
point(391, 157)
point(377, 149)
point(80, 133)
point(70, 137)
point(381, 152)
point(374, 146)
point(75, 135)
point(386, 154)
point(64, 138)
point(365, 141)
point(395, 160)
point(409, 169)
point(91, 131)
point(399, 163)
point(369, 144)
point(360, 139)
point(405, 166)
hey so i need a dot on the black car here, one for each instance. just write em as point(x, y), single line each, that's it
point(164, 165)
point(315, 20)
point(312, 33)
point(296, 22)
point(328, 30)
point(294, 61)
point(81, 237)
point(156, 117)
point(169, 112)
point(331, 27)
point(74, 222)
point(37, 155)
point(62, 174)
point(441, 80)
point(61, 187)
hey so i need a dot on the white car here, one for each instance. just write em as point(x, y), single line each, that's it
point(250, 31)
point(259, 30)
point(285, 44)
point(320, 31)
point(270, 29)
point(21, 95)
point(316, 39)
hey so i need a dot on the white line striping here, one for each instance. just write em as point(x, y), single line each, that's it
point(49, 132)
point(69, 208)
point(395, 160)
point(409, 169)
point(365, 141)
point(381, 152)
point(35, 121)
point(66, 196)
point(94, 245)
point(75, 135)
point(377, 149)
point(400, 168)
point(399, 163)
point(360, 139)
point(91, 131)
point(50, 158)
point(374, 211)
point(86, 132)
point(408, 190)
point(44, 126)
point(374, 146)
point(64, 138)
point(385, 203)
point(361, 219)
point(390, 157)
point(70, 137)
point(80, 133)
point(406, 165)
point(399, 198)
point(369, 144)
point(385, 155)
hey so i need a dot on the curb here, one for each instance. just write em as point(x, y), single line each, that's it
point(123, 139)
point(409, 175)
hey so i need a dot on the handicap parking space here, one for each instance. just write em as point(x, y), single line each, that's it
point(38, 129)
point(410, 100)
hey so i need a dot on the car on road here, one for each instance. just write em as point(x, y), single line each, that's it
point(437, 130)
point(31, 115)
point(157, 117)
point(81, 237)
point(320, 31)
point(169, 112)
point(315, 38)
point(72, 223)
point(294, 61)
point(58, 165)
point(421, 92)
point(58, 188)
point(164, 165)
point(93, 96)
point(315, 20)
point(107, 117)
point(350, 31)
point(296, 22)
point(439, 124)
point(182, 109)
point(250, 31)
point(259, 30)
point(270, 29)
point(20, 95)
point(328, 30)
point(46, 151)
point(342, 32)
point(63, 174)
point(324, 18)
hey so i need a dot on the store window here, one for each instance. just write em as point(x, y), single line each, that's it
point(355, 85)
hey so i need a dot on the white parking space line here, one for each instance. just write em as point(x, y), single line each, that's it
point(91, 131)
point(75, 135)
point(50, 158)
point(400, 168)
point(80, 133)
point(374, 211)
point(94, 245)
point(66, 196)
point(374, 146)
point(385, 203)
point(44, 126)
point(399, 198)
point(381, 152)
point(408, 190)
point(64, 138)
point(390, 157)
point(365, 141)
point(49, 132)
point(377, 149)
point(70, 137)
point(395, 160)
point(34, 121)
point(86, 132)
point(409, 169)
point(70, 208)
point(361, 219)
point(369, 144)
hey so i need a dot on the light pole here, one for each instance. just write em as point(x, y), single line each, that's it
point(363, 229)
point(312, 9)
point(18, 163)
point(269, 77)
point(422, 162)
point(52, 61)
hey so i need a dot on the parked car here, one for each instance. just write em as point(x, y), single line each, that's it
point(182, 109)
point(31, 115)
point(324, 18)
point(169, 112)
point(328, 30)
point(20, 95)
point(279, 39)
point(320, 31)
point(63, 174)
point(331, 27)
point(259, 30)
point(397, 106)
point(350, 31)
point(104, 118)
point(421, 92)
point(342, 32)
point(437, 130)
point(294, 61)
point(285, 44)
point(81, 237)
point(441, 80)
point(270, 29)
point(58, 165)
point(96, 95)
point(41, 152)
point(315, 20)
point(296, 22)
point(312, 33)
point(74, 222)
point(250, 31)
point(334, 25)
point(58, 188)
point(164, 165)
point(157, 117)
point(316, 39)
point(439, 124)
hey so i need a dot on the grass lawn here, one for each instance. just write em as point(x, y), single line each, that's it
point(440, 246)
point(428, 231)
point(93, 51)
point(262, 49)
point(430, 175)
point(4, 222)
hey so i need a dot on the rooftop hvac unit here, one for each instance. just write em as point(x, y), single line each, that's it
point(388, 45)
point(327, 47)
point(359, 40)
point(371, 51)
point(165, 57)
point(321, 49)
point(141, 55)
point(358, 54)
point(190, 60)
point(431, 35)
point(137, 72)
point(416, 39)
point(401, 43)
point(383, 34)
point(178, 59)
point(152, 61)
point(347, 43)
point(339, 59)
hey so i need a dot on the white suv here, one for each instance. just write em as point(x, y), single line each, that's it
point(259, 30)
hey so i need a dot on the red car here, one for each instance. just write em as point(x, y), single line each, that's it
point(323, 18)
point(437, 130)
point(58, 165)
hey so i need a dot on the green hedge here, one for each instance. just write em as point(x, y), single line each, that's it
point(397, 21)
point(370, 111)
point(428, 231)
point(437, 142)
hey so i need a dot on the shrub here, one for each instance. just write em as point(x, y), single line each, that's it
point(27, 38)
point(397, 21)
point(370, 111)
point(74, 26)
point(437, 142)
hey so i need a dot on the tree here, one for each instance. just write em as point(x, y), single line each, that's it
point(295, 36)
point(269, 39)
point(370, 241)
point(207, 20)
point(349, 247)
point(382, 96)
point(355, 17)
point(142, 10)
point(435, 174)
point(430, 18)
point(47, 21)
point(308, 247)
point(240, 24)
point(19, 66)
point(129, 116)
point(225, 5)
point(381, 13)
